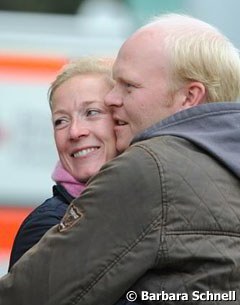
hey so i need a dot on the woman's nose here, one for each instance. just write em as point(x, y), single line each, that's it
point(78, 130)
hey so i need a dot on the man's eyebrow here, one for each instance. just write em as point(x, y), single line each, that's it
point(125, 77)
point(129, 80)
point(122, 78)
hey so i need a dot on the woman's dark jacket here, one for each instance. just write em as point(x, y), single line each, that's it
point(39, 221)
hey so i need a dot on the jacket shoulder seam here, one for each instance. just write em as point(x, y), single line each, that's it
point(162, 248)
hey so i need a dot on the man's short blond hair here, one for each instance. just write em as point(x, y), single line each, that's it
point(199, 52)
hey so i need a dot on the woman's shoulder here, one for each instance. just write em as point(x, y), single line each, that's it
point(35, 225)
point(51, 207)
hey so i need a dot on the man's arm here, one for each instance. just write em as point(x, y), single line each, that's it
point(109, 240)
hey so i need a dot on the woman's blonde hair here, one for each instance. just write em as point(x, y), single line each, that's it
point(199, 52)
point(81, 66)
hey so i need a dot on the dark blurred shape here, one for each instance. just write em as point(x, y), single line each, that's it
point(42, 6)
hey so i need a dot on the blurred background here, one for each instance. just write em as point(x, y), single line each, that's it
point(36, 39)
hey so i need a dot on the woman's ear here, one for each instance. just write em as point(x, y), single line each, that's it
point(195, 94)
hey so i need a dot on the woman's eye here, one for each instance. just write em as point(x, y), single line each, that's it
point(58, 122)
point(93, 112)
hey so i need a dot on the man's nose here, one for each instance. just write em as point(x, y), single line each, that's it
point(78, 130)
point(113, 99)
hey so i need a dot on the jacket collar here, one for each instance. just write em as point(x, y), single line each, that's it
point(215, 127)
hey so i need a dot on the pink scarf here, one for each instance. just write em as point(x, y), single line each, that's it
point(73, 187)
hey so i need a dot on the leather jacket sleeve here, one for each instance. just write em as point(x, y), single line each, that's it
point(108, 240)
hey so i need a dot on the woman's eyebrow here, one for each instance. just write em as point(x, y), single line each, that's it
point(83, 105)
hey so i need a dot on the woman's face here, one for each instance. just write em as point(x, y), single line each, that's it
point(83, 125)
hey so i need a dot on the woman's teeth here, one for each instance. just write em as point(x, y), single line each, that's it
point(84, 152)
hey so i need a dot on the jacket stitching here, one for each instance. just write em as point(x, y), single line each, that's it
point(166, 141)
point(217, 187)
point(201, 199)
point(202, 232)
point(162, 249)
point(183, 178)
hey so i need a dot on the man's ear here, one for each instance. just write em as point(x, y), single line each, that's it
point(195, 94)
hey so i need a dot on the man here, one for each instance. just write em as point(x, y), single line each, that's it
point(162, 219)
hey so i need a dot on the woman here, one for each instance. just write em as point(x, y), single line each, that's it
point(85, 140)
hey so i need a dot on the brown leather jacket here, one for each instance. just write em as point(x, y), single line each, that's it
point(164, 217)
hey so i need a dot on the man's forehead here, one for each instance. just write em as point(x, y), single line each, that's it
point(118, 68)
point(127, 55)
point(138, 49)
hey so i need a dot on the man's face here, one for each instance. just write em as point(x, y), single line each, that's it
point(141, 94)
